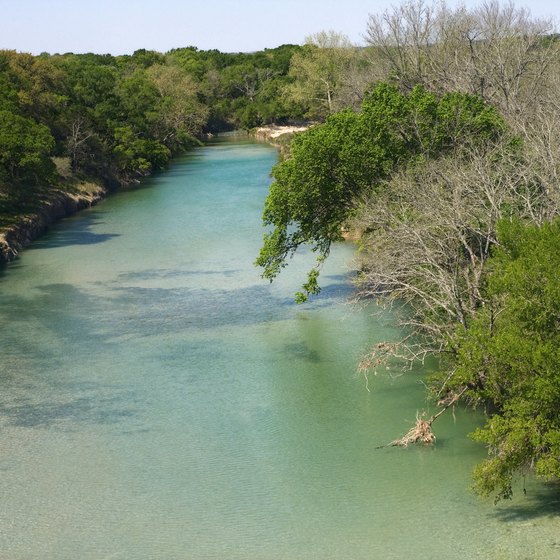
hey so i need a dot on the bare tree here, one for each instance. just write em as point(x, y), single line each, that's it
point(403, 36)
point(78, 136)
point(358, 76)
point(428, 235)
point(496, 51)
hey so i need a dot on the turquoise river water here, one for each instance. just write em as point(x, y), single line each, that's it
point(159, 400)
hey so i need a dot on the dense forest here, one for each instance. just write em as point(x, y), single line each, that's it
point(436, 145)
point(69, 120)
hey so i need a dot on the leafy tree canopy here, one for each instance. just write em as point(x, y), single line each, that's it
point(26, 147)
point(316, 190)
point(510, 358)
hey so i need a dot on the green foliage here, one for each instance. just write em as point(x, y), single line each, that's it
point(242, 90)
point(91, 88)
point(144, 59)
point(138, 156)
point(137, 99)
point(25, 149)
point(510, 358)
point(317, 189)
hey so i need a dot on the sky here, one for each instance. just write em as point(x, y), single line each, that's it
point(123, 26)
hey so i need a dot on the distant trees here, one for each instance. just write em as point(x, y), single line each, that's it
point(119, 118)
point(242, 90)
point(318, 72)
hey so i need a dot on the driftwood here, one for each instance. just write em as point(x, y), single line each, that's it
point(422, 432)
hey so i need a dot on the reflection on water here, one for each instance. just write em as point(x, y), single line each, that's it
point(159, 400)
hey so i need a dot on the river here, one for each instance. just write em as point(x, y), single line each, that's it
point(159, 400)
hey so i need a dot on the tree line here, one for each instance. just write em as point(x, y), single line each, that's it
point(440, 147)
point(113, 119)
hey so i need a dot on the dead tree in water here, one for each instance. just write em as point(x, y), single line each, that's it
point(422, 432)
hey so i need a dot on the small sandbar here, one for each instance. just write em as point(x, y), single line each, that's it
point(275, 131)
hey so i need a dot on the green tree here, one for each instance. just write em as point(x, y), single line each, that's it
point(138, 98)
point(38, 83)
point(509, 358)
point(91, 82)
point(313, 190)
point(332, 165)
point(318, 72)
point(136, 156)
point(25, 147)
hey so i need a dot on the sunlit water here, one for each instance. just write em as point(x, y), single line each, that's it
point(158, 400)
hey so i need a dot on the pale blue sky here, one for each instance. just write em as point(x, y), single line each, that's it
point(122, 26)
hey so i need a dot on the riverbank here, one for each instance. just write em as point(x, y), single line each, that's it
point(51, 207)
point(279, 136)
point(274, 132)
point(57, 203)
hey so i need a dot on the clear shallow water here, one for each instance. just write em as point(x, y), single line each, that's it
point(159, 400)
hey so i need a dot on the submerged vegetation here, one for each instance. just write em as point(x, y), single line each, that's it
point(436, 144)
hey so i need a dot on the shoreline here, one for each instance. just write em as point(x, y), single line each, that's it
point(58, 205)
point(278, 133)
point(279, 136)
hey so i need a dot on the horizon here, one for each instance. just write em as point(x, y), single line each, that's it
point(123, 27)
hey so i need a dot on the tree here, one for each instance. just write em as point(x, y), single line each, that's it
point(317, 190)
point(135, 156)
point(38, 83)
point(138, 98)
point(510, 358)
point(91, 84)
point(26, 147)
point(318, 72)
point(77, 141)
point(314, 189)
point(179, 117)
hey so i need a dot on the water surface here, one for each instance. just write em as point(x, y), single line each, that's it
point(159, 400)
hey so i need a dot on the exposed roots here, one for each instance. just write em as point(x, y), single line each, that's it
point(421, 432)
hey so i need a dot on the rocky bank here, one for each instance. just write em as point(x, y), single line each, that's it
point(58, 204)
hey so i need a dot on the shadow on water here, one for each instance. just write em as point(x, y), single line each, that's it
point(11, 266)
point(75, 232)
point(158, 274)
point(163, 310)
point(81, 319)
point(89, 410)
point(337, 286)
point(67, 312)
point(541, 501)
point(301, 351)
